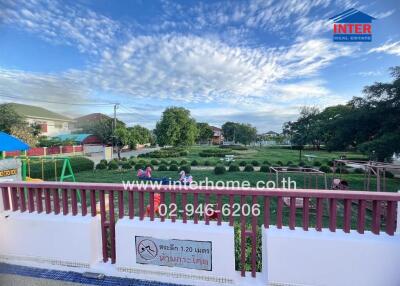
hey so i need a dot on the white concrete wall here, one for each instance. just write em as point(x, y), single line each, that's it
point(298, 257)
point(72, 241)
point(222, 238)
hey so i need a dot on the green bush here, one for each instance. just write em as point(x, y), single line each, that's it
point(162, 167)
point(219, 169)
point(124, 159)
point(330, 163)
point(183, 162)
point(317, 163)
point(113, 165)
point(104, 161)
point(359, 171)
point(207, 163)
point(242, 163)
point(101, 166)
point(113, 160)
point(325, 169)
point(289, 163)
point(279, 163)
point(264, 168)
point(266, 162)
point(234, 168)
point(173, 167)
point(185, 168)
point(173, 162)
point(139, 166)
point(302, 164)
point(216, 152)
point(163, 162)
point(248, 168)
point(154, 162)
point(126, 166)
point(132, 162)
point(255, 163)
point(194, 163)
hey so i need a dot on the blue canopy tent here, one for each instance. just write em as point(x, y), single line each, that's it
point(10, 143)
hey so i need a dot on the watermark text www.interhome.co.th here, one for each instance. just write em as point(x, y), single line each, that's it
point(285, 183)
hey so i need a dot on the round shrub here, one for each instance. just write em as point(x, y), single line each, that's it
point(139, 166)
point(173, 162)
point(113, 165)
point(126, 166)
point(184, 162)
point(330, 163)
point(103, 161)
point(163, 162)
point(359, 171)
point(302, 164)
point(194, 163)
point(124, 159)
point(279, 163)
point(219, 169)
point(242, 163)
point(113, 161)
point(185, 168)
point(173, 167)
point(207, 163)
point(184, 153)
point(248, 168)
point(325, 169)
point(255, 163)
point(143, 162)
point(154, 162)
point(234, 168)
point(101, 166)
point(264, 168)
point(162, 167)
point(132, 162)
point(132, 157)
point(266, 162)
point(317, 163)
point(289, 163)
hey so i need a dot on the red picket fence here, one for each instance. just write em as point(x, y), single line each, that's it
point(41, 151)
point(36, 151)
point(115, 202)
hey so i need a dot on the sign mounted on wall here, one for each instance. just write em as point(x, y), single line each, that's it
point(174, 252)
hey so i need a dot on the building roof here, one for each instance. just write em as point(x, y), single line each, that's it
point(352, 16)
point(93, 117)
point(10, 143)
point(73, 137)
point(215, 128)
point(271, 133)
point(36, 112)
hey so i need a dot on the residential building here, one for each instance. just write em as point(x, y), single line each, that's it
point(217, 138)
point(51, 123)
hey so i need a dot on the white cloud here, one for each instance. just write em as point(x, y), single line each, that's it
point(392, 48)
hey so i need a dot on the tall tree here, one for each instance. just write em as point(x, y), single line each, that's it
point(176, 128)
point(9, 118)
point(205, 132)
point(228, 130)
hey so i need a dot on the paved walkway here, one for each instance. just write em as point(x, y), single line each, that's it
point(13, 275)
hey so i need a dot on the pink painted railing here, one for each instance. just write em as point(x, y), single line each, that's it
point(43, 151)
point(356, 210)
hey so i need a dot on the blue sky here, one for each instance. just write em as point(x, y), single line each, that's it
point(250, 61)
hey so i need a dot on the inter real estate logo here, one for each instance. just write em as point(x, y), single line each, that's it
point(352, 26)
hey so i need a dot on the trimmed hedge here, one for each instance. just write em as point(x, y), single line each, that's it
point(166, 153)
point(185, 168)
point(234, 168)
point(234, 147)
point(163, 162)
point(154, 162)
point(183, 162)
point(264, 168)
point(101, 166)
point(173, 162)
point(242, 163)
point(162, 168)
point(207, 163)
point(325, 169)
point(216, 152)
point(279, 163)
point(126, 166)
point(173, 167)
point(266, 162)
point(219, 169)
point(317, 163)
point(255, 163)
point(103, 161)
point(194, 163)
point(248, 168)
point(113, 165)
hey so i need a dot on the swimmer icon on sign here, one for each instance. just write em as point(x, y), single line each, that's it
point(147, 249)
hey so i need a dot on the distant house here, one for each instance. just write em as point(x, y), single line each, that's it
point(50, 123)
point(85, 120)
point(271, 134)
point(217, 138)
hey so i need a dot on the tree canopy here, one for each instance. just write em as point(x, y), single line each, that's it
point(205, 132)
point(239, 132)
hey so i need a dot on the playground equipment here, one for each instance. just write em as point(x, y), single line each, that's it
point(309, 177)
point(66, 170)
point(371, 169)
point(10, 143)
point(146, 176)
